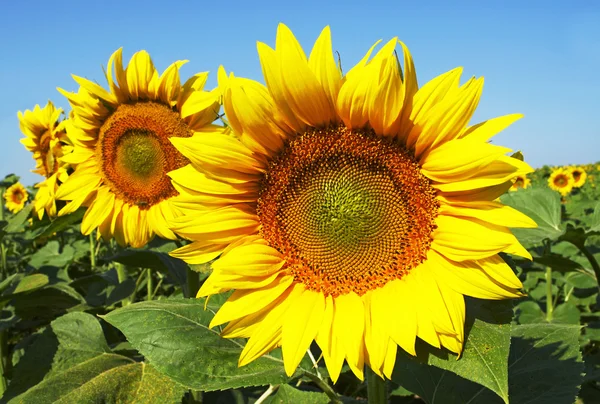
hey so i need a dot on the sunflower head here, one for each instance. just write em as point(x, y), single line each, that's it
point(122, 146)
point(355, 210)
point(561, 180)
point(579, 176)
point(520, 182)
point(15, 196)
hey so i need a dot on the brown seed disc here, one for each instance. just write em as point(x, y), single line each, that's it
point(136, 154)
point(348, 211)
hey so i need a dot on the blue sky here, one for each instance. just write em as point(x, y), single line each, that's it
point(540, 58)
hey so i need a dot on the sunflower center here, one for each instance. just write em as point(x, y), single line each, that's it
point(519, 182)
point(576, 175)
point(348, 211)
point(18, 196)
point(561, 180)
point(136, 153)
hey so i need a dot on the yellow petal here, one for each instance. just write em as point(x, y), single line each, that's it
point(349, 327)
point(484, 131)
point(301, 323)
point(324, 67)
point(488, 211)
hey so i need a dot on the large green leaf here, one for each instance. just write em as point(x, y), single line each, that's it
point(17, 223)
point(62, 222)
point(544, 367)
point(543, 206)
point(174, 336)
point(156, 260)
point(484, 359)
point(545, 364)
point(288, 395)
point(71, 362)
point(52, 255)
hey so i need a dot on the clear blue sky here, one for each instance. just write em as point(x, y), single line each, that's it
point(540, 58)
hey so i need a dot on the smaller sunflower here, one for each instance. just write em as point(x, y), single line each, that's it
point(16, 195)
point(561, 180)
point(46, 138)
point(579, 176)
point(520, 181)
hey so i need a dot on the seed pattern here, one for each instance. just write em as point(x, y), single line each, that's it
point(349, 211)
point(136, 153)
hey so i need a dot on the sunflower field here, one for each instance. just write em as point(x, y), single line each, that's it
point(328, 237)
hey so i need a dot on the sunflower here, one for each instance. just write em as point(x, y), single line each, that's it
point(561, 180)
point(16, 195)
point(46, 138)
point(520, 181)
point(579, 176)
point(122, 152)
point(354, 210)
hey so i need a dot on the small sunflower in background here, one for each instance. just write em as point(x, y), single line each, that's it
point(46, 138)
point(561, 180)
point(579, 176)
point(353, 210)
point(122, 146)
point(15, 196)
point(520, 182)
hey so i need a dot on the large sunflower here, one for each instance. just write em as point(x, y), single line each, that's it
point(561, 180)
point(15, 196)
point(122, 151)
point(354, 210)
point(579, 176)
point(520, 181)
point(46, 138)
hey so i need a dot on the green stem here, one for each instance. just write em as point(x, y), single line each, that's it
point(4, 264)
point(376, 389)
point(592, 260)
point(193, 283)
point(122, 276)
point(549, 306)
point(3, 358)
point(149, 284)
point(2, 203)
point(327, 389)
point(92, 250)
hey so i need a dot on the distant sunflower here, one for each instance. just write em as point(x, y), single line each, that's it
point(579, 176)
point(122, 149)
point(16, 195)
point(520, 181)
point(353, 210)
point(561, 180)
point(46, 138)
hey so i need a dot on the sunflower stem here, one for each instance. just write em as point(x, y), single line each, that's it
point(3, 358)
point(122, 276)
point(592, 260)
point(149, 284)
point(549, 305)
point(376, 388)
point(326, 388)
point(193, 283)
point(92, 251)
point(4, 264)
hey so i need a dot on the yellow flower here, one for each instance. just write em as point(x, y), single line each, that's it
point(579, 176)
point(355, 210)
point(561, 180)
point(520, 181)
point(16, 195)
point(122, 146)
point(46, 138)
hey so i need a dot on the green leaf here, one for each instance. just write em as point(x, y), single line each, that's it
point(543, 206)
point(62, 222)
point(71, 362)
point(51, 255)
point(558, 263)
point(288, 395)
point(594, 219)
point(156, 260)
point(530, 312)
point(174, 336)
point(17, 223)
point(31, 282)
point(545, 364)
point(484, 359)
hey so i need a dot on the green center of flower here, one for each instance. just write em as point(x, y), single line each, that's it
point(136, 154)
point(348, 211)
point(140, 154)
